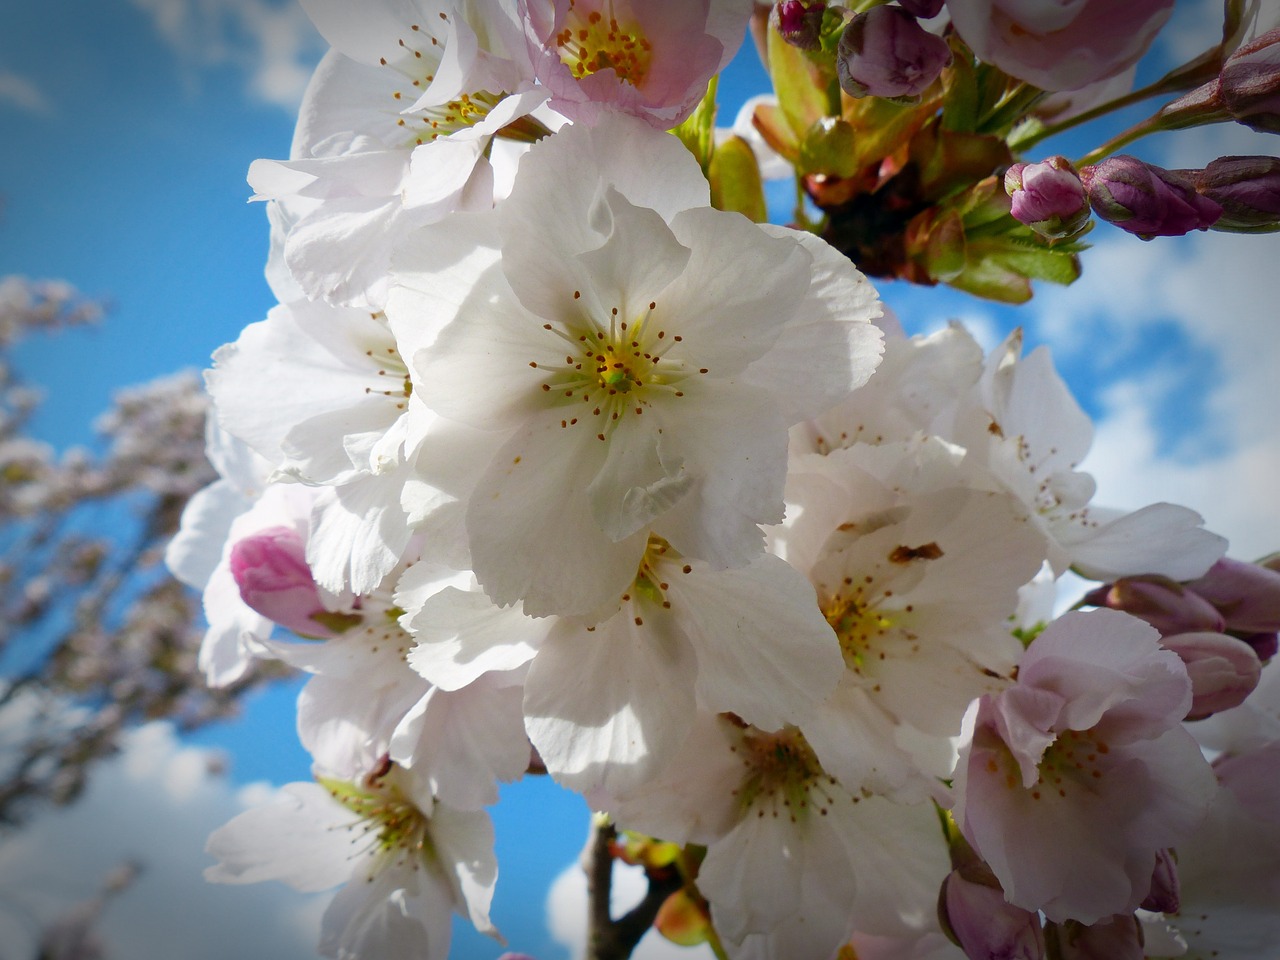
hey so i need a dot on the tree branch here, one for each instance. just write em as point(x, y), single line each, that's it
point(609, 939)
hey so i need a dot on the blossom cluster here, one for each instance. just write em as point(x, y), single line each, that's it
point(547, 464)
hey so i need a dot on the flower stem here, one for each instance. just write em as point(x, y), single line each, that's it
point(1191, 74)
point(1136, 132)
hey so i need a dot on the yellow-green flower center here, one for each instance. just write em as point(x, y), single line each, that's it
point(783, 775)
point(394, 822)
point(596, 42)
point(858, 624)
point(610, 368)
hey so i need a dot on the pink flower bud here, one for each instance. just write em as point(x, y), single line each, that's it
point(886, 53)
point(1249, 84)
point(1247, 189)
point(270, 568)
point(1145, 199)
point(799, 22)
point(1048, 197)
point(1224, 670)
point(1164, 895)
point(1115, 938)
point(984, 924)
point(1246, 594)
point(924, 9)
point(1168, 606)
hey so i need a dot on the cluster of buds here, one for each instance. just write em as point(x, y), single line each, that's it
point(900, 131)
point(1222, 625)
point(1234, 194)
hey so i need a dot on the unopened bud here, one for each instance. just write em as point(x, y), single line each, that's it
point(1247, 189)
point(1168, 606)
point(1145, 199)
point(983, 924)
point(1249, 84)
point(1247, 90)
point(270, 568)
point(1048, 197)
point(1223, 670)
point(1165, 893)
point(1246, 594)
point(1113, 938)
point(799, 22)
point(924, 9)
point(886, 53)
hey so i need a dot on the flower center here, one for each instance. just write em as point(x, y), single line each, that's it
point(391, 371)
point(599, 42)
point(1073, 758)
point(612, 368)
point(858, 625)
point(394, 822)
point(782, 774)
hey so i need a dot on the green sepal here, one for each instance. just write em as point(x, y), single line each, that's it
point(735, 180)
point(829, 148)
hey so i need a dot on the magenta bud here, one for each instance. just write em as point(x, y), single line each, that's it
point(1223, 669)
point(1048, 197)
point(1165, 894)
point(979, 919)
point(886, 53)
point(1246, 594)
point(270, 568)
point(1247, 189)
point(799, 22)
point(1145, 199)
point(1249, 84)
point(1168, 606)
point(924, 9)
point(1114, 938)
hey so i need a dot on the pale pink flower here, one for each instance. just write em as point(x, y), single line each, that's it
point(1078, 774)
point(649, 58)
point(1061, 45)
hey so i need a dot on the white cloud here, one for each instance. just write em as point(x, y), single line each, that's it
point(567, 915)
point(1222, 293)
point(154, 804)
point(273, 42)
point(21, 93)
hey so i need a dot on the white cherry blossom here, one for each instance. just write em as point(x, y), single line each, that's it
point(405, 863)
point(633, 373)
point(393, 133)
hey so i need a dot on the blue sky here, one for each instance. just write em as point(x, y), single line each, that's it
point(128, 126)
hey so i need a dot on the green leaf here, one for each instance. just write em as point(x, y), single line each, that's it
point(698, 131)
point(1042, 263)
point(735, 180)
point(960, 102)
point(803, 87)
